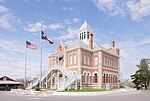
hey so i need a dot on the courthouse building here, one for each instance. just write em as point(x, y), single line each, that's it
point(83, 64)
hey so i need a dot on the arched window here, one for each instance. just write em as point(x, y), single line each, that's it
point(113, 78)
point(84, 78)
point(95, 77)
point(116, 79)
point(82, 36)
point(88, 78)
point(104, 78)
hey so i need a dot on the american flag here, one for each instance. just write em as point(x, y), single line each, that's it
point(30, 45)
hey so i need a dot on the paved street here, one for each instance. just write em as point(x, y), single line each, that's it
point(132, 96)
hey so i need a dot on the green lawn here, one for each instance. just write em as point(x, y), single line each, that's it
point(88, 90)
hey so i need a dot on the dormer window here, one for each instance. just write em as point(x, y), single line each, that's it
point(88, 36)
point(80, 35)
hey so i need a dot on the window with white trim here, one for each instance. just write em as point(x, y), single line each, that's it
point(70, 59)
point(104, 61)
point(88, 60)
point(96, 61)
point(95, 77)
point(74, 57)
point(84, 59)
point(84, 80)
point(88, 78)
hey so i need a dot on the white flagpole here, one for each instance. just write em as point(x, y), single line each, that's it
point(41, 58)
point(25, 69)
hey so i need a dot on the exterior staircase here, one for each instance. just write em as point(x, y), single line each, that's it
point(65, 84)
point(71, 78)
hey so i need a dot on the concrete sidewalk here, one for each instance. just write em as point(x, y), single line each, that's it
point(54, 93)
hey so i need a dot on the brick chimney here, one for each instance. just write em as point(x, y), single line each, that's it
point(113, 44)
point(91, 40)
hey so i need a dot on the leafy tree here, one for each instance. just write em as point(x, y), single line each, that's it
point(142, 76)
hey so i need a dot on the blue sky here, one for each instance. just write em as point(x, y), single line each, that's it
point(125, 21)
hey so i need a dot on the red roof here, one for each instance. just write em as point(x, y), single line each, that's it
point(5, 78)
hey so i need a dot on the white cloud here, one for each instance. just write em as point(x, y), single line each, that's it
point(124, 53)
point(12, 59)
point(67, 8)
point(12, 46)
point(139, 8)
point(131, 53)
point(3, 9)
point(75, 20)
point(36, 27)
point(144, 41)
point(136, 8)
point(55, 26)
point(67, 21)
point(113, 7)
point(6, 17)
point(70, 34)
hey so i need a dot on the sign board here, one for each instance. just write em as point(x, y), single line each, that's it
point(107, 86)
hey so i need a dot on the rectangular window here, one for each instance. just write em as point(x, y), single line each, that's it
point(74, 57)
point(95, 60)
point(84, 59)
point(88, 59)
point(70, 58)
point(104, 61)
point(108, 62)
point(113, 63)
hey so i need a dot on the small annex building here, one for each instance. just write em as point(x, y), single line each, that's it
point(7, 83)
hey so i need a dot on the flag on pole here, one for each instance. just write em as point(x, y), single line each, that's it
point(44, 37)
point(30, 45)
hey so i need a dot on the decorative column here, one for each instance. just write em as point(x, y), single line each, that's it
point(100, 70)
point(65, 55)
point(80, 66)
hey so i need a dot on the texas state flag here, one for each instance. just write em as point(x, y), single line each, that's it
point(44, 37)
